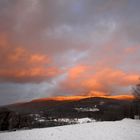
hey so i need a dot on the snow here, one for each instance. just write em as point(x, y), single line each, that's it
point(38, 117)
point(67, 120)
point(74, 121)
point(126, 129)
point(87, 109)
point(85, 120)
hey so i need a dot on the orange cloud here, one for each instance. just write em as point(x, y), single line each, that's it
point(77, 71)
point(23, 65)
point(20, 54)
point(91, 83)
point(16, 55)
point(131, 49)
point(96, 93)
point(103, 81)
point(36, 74)
point(3, 40)
point(38, 58)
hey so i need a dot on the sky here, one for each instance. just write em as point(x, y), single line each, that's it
point(68, 47)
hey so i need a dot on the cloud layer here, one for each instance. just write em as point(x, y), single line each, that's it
point(50, 48)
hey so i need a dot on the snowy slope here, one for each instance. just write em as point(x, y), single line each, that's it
point(126, 129)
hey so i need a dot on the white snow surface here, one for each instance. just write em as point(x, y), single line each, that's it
point(85, 120)
point(126, 129)
point(87, 109)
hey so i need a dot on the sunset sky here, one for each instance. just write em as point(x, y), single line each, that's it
point(68, 47)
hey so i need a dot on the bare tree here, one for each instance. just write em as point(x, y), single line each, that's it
point(136, 91)
point(136, 102)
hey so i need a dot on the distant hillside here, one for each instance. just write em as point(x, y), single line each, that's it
point(48, 113)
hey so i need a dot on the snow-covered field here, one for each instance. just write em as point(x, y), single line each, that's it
point(126, 129)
